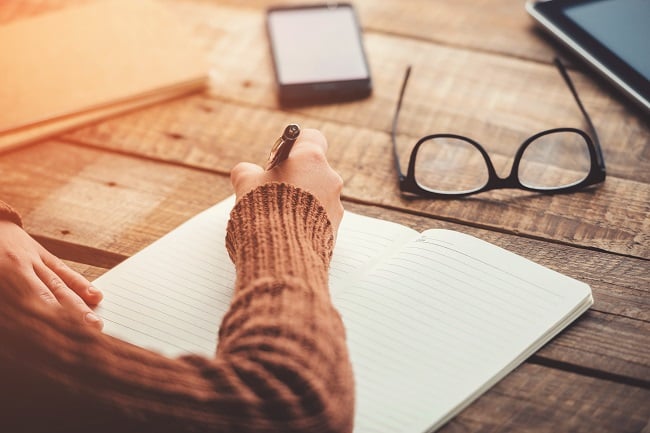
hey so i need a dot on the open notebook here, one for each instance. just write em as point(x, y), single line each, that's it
point(433, 319)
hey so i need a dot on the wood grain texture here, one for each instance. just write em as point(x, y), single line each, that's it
point(107, 202)
point(493, 23)
point(537, 399)
point(463, 82)
point(216, 135)
point(88, 271)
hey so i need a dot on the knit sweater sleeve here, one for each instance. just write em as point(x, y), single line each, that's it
point(281, 364)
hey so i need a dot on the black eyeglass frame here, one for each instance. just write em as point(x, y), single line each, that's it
point(597, 173)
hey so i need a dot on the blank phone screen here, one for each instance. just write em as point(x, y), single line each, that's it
point(320, 44)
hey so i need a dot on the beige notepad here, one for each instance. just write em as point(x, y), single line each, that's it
point(65, 68)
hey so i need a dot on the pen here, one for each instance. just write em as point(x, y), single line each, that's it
point(282, 146)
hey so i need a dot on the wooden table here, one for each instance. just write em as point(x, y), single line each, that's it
point(99, 194)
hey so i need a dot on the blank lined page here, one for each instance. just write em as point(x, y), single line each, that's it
point(441, 321)
point(362, 242)
point(171, 296)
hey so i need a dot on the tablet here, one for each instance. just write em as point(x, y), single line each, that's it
point(613, 36)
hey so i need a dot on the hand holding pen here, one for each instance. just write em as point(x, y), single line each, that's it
point(301, 163)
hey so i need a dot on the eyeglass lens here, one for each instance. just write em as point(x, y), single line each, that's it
point(555, 160)
point(450, 165)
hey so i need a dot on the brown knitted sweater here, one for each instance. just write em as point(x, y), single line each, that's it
point(281, 363)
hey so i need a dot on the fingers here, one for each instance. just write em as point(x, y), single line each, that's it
point(65, 296)
point(31, 282)
point(28, 269)
point(75, 281)
point(244, 177)
point(310, 138)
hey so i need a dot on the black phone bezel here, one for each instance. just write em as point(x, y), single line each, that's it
point(319, 92)
point(605, 61)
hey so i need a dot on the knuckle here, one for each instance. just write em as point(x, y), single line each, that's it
point(14, 263)
point(310, 153)
point(80, 305)
point(56, 284)
point(315, 155)
point(47, 297)
point(236, 170)
point(314, 135)
point(58, 265)
point(13, 259)
point(239, 173)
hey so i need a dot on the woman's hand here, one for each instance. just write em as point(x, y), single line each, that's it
point(306, 167)
point(28, 269)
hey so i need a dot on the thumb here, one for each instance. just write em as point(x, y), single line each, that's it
point(245, 176)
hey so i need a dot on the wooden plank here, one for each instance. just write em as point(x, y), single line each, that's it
point(490, 26)
point(88, 271)
point(542, 400)
point(98, 200)
point(216, 135)
point(227, 32)
point(90, 256)
point(497, 26)
point(119, 204)
point(632, 347)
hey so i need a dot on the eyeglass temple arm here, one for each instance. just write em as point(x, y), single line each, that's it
point(394, 128)
point(574, 92)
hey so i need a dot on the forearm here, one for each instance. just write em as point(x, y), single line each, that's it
point(288, 327)
point(281, 364)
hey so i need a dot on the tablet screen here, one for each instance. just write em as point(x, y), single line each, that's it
point(625, 30)
point(611, 35)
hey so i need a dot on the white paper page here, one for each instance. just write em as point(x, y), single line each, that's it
point(440, 322)
point(172, 295)
point(361, 243)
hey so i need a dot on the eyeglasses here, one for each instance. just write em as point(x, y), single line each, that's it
point(552, 161)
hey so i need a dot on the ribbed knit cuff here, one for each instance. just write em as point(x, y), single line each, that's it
point(7, 213)
point(279, 230)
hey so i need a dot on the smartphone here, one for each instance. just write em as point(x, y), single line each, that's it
point(318, 53)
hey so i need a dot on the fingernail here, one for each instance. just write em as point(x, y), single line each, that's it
point(93, 319)
point(95, 295)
